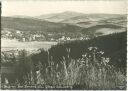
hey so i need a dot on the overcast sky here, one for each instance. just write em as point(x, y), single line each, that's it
point(35, 8)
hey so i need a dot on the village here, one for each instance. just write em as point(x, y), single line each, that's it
point(30, 36)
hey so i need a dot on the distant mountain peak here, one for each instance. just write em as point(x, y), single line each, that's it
point(71, 12)
point(57, 17)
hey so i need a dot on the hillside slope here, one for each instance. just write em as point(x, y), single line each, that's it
point(27, 24)
point(58, 17)
point(114, 46)
point(103, 29)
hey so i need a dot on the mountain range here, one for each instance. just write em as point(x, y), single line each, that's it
point(75, 17)
point(68, 21)
point(58, 17)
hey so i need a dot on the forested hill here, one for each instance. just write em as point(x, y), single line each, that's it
point(33, 24)
point(113, 46)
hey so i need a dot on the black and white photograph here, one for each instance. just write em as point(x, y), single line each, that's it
point(63, 45)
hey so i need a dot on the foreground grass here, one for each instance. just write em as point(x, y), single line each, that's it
point(91, 71)
point(88, 72)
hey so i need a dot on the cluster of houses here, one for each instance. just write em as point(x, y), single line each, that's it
point(34, 37)
point(20, 36)
point(24, 37)
point(63, 38)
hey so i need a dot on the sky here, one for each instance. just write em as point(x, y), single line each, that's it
point(36, 8)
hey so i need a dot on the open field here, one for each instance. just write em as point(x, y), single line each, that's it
point(7, 44)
